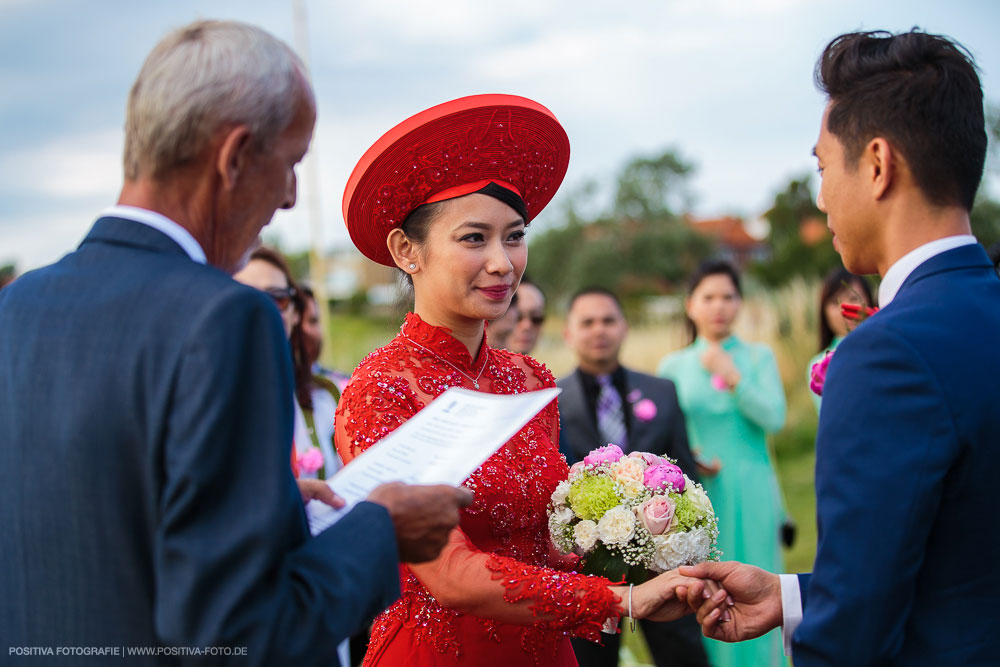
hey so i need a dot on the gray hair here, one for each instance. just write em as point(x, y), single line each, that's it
point(199, 78)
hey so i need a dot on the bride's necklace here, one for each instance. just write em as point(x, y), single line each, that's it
point(473, 380)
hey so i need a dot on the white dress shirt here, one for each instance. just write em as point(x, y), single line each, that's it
point(791, 596)
point(162, 223)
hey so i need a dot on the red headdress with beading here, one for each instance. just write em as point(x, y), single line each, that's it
point(450, 150)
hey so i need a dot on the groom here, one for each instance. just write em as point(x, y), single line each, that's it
point(146, 401)
point(908, 449)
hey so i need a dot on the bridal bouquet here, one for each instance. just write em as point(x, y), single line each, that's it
point(629, 515)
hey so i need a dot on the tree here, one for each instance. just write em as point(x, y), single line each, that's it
point(640, 246)
point(985, 214)
point(794, 253)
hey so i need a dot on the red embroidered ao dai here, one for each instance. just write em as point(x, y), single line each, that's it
point(479, 603)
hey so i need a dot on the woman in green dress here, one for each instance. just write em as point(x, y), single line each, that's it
point(731, 395)
point(839, 287)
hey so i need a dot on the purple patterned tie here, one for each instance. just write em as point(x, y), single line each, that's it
point(610, 419)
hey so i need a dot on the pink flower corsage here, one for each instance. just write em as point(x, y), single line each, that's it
point(644, 410)
point(719, 383)
point(310, 460)
point(817, 374)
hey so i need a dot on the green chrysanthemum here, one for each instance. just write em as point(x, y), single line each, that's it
point(688, 515)
point(592, 496)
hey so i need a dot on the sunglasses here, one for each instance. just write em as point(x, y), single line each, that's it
point(537, 320)
point(282, 296)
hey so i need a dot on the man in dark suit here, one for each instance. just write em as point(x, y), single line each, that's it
point(602, 402)
point(146, 401)
point(907, 451)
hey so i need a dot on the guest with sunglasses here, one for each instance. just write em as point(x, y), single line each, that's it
point(316, 398)
point(530, 318)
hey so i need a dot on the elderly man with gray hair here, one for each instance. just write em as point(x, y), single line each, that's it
point(150, 510)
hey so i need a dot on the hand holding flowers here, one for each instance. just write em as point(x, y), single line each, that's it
point(629, 515)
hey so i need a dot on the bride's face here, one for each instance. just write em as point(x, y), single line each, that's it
point(471, 261)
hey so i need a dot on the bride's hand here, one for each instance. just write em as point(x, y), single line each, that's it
point(657, 599)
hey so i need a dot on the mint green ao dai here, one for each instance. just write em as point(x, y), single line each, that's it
point(733, 426)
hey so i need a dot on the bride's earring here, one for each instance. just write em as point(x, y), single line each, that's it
point(412, 267)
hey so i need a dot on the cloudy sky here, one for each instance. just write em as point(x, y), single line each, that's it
point(728, 83)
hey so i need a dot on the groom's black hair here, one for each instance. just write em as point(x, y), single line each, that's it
point(919, 91)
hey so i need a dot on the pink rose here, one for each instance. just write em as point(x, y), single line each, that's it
point(609, 453)
point(664, 475)
point(310, 460)
point(644, 410)
point(576, 467)
point(647, 458)
point(817, 374)
point(657, 514)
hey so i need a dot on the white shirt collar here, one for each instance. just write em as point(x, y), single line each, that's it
point(162, 223)
point(905, 265)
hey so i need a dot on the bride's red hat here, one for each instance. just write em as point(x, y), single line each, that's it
point(450, 150)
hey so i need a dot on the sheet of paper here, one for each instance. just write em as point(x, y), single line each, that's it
point(442, 444)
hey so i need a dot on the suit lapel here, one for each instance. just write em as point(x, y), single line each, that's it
point(576, 407)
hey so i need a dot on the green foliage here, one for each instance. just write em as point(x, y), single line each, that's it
point(791, 256)
point(985, 219)
point(652, 187)
point(640, 247)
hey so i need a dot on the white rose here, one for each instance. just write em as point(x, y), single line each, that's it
point(617, 526)
point(563, 515)
point(632, 488)
point(562, 490)
point(585, 534)
point(699, 499)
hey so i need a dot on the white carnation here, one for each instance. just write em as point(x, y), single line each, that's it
point(563, 515)
point(617, 526)
point(562, 490)
point(680, 548)
point(585, 534)
point(699, 544)
point(667, 552)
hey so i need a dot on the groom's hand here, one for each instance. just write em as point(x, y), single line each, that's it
point(423, 516)
point(756, 596)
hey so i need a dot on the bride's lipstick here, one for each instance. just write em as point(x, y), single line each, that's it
point(496, 292)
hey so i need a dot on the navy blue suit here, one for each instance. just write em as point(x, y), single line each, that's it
point(907, 461)
point(145, 483)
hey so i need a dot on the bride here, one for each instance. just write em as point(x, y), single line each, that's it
point(446, 196)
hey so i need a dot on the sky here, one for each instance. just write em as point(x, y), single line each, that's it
point(726, 83)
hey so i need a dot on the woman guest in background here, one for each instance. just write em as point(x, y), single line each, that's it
point(731, 395)
point(839, 287)
point(311, 462)
point(445, 196)
point(315, 396)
